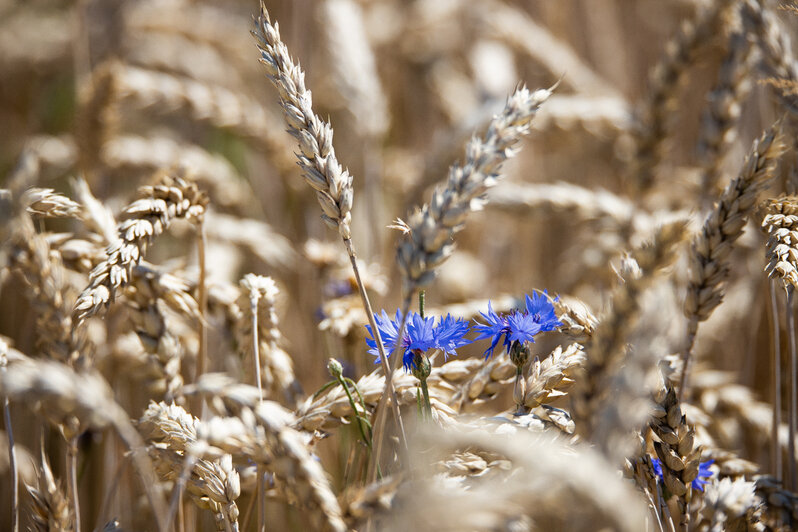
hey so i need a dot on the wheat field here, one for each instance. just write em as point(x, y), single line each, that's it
point(486, 265)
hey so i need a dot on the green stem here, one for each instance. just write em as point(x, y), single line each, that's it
point(357, 391)
point(366, 439)
point(427, 404)
point(422, 300)
point(324, 389)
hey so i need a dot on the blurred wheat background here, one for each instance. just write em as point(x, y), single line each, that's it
point(192, 225)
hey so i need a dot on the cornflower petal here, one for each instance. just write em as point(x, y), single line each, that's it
point(388, 332)
point(450, 334)
point(698, 483)
point(495, 327)
point(542, 311)
point(521, 328)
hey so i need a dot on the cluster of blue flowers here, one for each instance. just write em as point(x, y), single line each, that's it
point(422, 334)
point(519, 325)
point(698, 483)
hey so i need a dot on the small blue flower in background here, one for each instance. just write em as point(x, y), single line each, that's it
point(698, 483)
point(421, 334)
point(519, 325)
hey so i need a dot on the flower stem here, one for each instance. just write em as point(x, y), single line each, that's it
point(344, 385)
point(518, 391)
point(427, 404)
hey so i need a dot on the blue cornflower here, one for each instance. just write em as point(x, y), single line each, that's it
point(421, 334)
point(541, 308)
point(519, 325)
point(698, 482)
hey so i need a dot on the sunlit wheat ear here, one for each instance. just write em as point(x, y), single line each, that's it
point(46, 203)
point(148, 217)
point(679, 459)
point(781, 225)
point(429, 241)
point(730, 505)
point(320, 166)
point(724, 225)
point(213, 484)
point(150, 296)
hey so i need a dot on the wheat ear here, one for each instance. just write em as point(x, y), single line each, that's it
point(259, 337)
point(149, 216)
point(718, 127)
point(722, 228)
point(680, 461)
point(428, 241)
point(665, 80)
point(50, 509)
point(778, 61)
point(320, 166)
